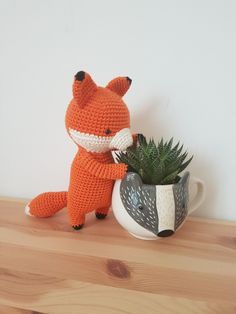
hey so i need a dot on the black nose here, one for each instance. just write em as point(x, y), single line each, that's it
point(165, 233)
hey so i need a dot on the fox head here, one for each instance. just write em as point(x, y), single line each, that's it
point(97, 118)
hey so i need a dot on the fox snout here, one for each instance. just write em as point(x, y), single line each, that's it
point(122, 140)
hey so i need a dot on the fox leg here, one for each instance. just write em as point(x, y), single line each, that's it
point(77, 221)
point(101, 213)
point(46, 204)
point(76, 216)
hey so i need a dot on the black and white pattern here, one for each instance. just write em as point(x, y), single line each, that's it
point(181, 197)
point(156, 208)
point(139, 200)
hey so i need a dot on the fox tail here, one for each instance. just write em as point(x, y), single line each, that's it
point(46, 204)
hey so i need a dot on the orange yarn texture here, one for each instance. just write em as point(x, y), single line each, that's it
point(94, 117)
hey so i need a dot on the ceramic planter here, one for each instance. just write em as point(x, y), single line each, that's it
point(150, 212)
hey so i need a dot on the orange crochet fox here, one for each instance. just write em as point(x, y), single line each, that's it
point(98, 121)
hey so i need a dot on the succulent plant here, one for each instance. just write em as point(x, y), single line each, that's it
point(157, 164)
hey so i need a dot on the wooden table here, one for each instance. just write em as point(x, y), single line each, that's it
point(47, 267)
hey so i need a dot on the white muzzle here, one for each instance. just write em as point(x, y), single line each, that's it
point(122, 140)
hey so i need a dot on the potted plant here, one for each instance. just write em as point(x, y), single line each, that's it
point(152, 201)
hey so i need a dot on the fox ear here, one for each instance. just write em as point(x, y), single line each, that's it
point(119, 85)
point(83, 88)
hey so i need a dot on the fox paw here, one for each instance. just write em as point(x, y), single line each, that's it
point(100, 216)
point(78, 227)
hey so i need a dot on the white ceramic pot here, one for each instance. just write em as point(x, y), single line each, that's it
point(150, 212)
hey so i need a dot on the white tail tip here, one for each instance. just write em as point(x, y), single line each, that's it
point(27, 210)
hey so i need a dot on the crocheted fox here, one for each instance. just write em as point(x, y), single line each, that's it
point(98, 121)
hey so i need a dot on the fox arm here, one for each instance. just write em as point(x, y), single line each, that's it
point(101, 170)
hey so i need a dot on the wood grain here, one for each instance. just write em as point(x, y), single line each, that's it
point(12, 310)
point(47, 267)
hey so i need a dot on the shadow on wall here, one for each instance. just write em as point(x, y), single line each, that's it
point(155, 121)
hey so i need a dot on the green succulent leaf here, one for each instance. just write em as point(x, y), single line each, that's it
point(170, 178)
point(155, 163)
point(184, 165)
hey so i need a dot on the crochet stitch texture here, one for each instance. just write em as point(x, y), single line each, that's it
point(98, 121)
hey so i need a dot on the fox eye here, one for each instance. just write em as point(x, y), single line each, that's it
point(107, 131)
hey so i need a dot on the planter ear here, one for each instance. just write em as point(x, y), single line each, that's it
point(133, 179)
point(139, 201)
point(181, 198)
point(184, 178)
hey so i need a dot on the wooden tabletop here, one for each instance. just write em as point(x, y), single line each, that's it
point(47, 267)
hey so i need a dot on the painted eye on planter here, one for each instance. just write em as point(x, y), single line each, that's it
point(140, 207)
point(107, 131)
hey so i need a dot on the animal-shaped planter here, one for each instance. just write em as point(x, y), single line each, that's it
point(98, 121)
point(152, 211)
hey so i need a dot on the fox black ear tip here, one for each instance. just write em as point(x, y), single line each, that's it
point(129, 79)
point(79, 76)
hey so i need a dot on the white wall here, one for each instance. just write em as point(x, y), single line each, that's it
point(180, 54)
